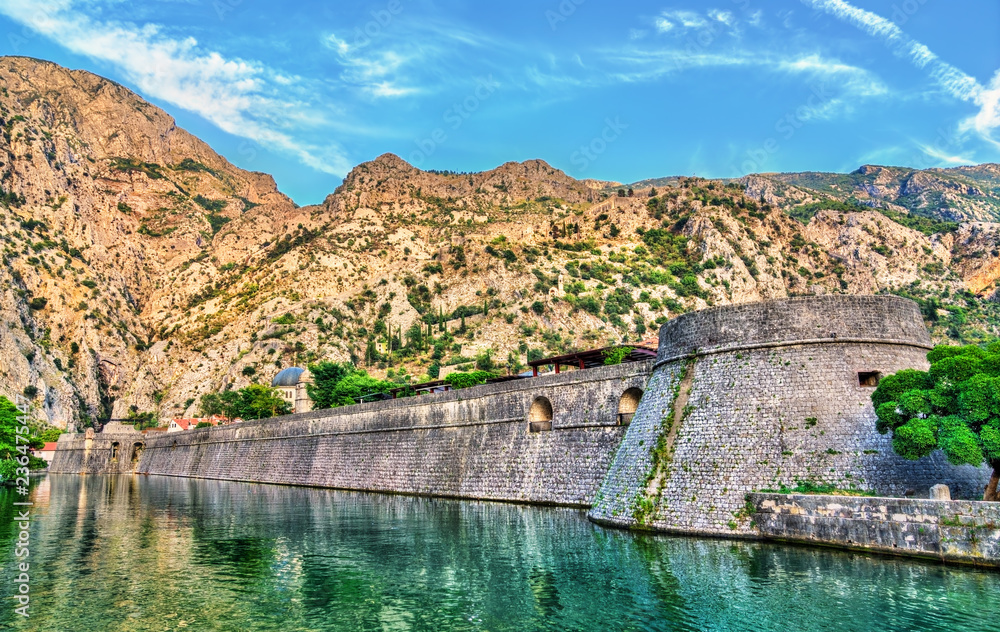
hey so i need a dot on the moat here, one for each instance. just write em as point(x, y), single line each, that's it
point(128, 553)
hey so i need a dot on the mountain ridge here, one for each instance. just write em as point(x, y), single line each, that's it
point(143, 270)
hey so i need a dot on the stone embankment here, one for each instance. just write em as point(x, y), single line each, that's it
point(966, 532)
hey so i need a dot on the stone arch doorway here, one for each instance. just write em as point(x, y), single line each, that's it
point(627, 405)
point(540, 415)
point(114, 450)
point(136, 453)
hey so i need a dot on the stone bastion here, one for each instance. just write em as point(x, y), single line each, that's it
point(758, 396)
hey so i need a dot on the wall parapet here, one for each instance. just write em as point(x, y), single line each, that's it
point(800, 320)
point(959, 531)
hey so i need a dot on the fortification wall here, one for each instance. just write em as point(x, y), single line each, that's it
point(770, 396)
point(116, 450)
point(470, 443)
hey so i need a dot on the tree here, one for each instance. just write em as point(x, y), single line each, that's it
point(341, 384)
point(253, 402)
point(465, 380)
point(13, 452)
point(141, 421)
point(616, 355)
point(954, 407)
point(50, 435)
point(326, 375)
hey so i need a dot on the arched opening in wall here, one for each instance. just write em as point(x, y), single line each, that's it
point(136, 452)
point(627, 405)
point(114, 451)
point(173, 446)
point(540, 415)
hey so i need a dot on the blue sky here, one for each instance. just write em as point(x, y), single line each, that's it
point(618, 91)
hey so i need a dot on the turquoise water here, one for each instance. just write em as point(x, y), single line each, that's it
point(148, 553)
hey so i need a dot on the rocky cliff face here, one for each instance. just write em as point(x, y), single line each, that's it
point(143, 270)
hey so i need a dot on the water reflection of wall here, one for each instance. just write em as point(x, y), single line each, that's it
point(137, 553)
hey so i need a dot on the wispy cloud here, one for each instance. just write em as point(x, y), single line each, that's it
point(955, 82)
point(410, 57)
point(669, 20)
point(373, 71)
point(943, 157)
point(242, 97)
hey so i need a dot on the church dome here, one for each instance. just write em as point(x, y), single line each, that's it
point(288, 377)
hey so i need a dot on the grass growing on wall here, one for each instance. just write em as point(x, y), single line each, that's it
point(820, 489)
point(646, 502)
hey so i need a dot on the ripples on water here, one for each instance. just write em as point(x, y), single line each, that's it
point(136, 554)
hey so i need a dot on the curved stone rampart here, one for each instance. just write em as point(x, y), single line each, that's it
point(765, 395)
point(802, 320)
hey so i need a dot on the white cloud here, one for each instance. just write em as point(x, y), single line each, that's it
point(662, 24)
point(337, 44)
point(988, 117)
point(957, 83)
point(241, 97)
point(943, 157)
point(687, 19)
point(726, 17)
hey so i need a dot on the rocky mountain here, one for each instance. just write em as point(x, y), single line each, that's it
point(957, 194)
point(142, 270)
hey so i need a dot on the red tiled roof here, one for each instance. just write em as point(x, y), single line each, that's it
point(191, 423)
point(48, 447)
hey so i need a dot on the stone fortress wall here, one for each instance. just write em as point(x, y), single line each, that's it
point(740, 399)
point(117, 449)
point(750, 397)
point(545, 440)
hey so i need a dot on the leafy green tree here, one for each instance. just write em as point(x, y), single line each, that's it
point(50, 435)
point(252, 402)
point(616, 355)
point(465, 380)
point(261, 402)
point(341, 384)
point(14, 454)
point(954, 407)
point(141, 421)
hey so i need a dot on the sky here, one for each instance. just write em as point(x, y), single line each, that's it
point(609, 90)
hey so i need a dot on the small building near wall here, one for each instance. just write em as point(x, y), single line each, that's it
point(178, 425)
point(291, 383)
point(47, 452)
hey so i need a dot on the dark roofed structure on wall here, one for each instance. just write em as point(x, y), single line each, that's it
point(593, 358)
